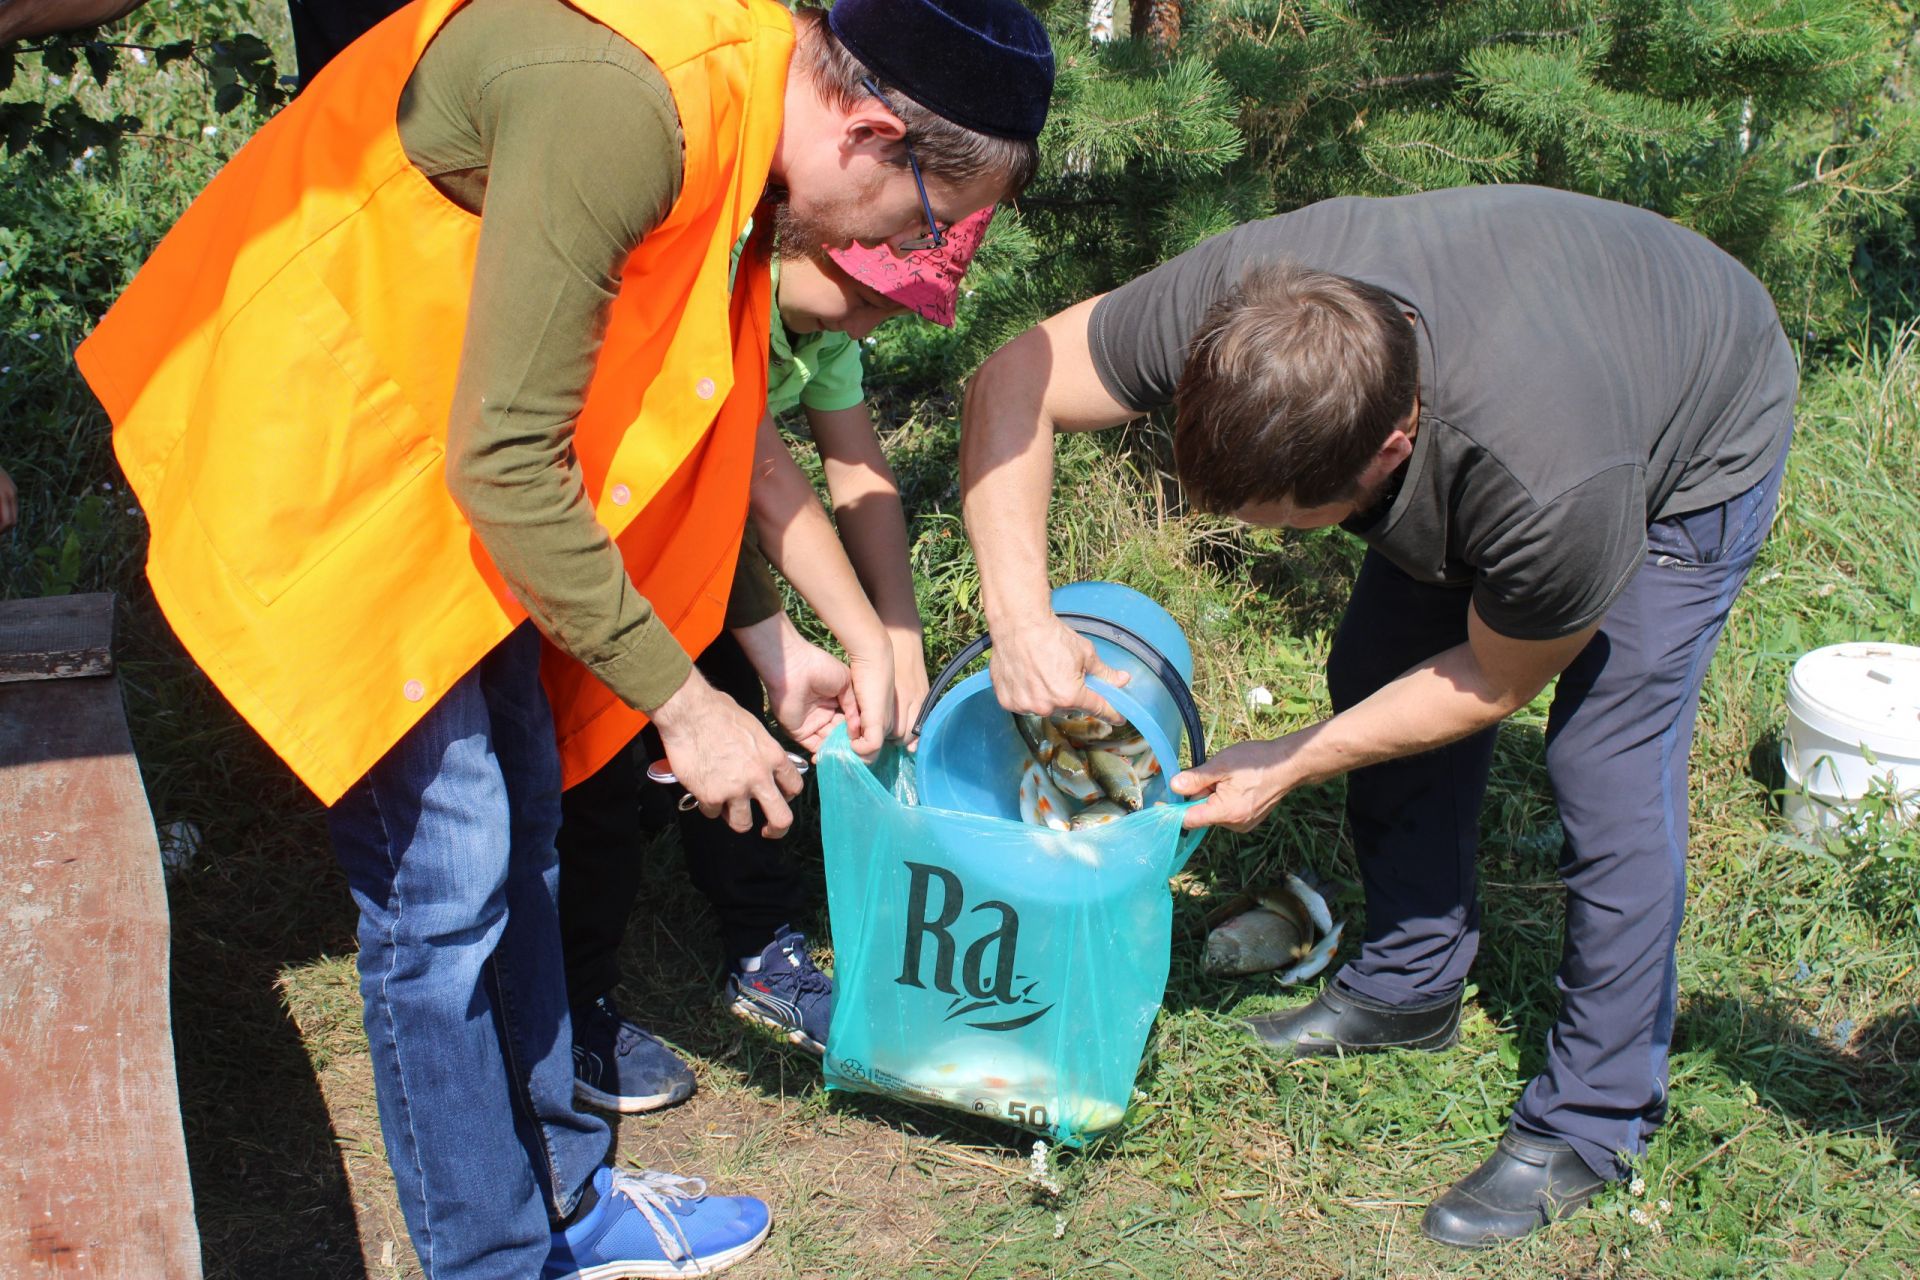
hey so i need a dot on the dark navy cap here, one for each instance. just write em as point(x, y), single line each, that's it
point(986, 65)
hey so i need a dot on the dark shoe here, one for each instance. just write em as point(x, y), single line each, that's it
point(786, 993)
point(619, 1067)
point(1339, 1022)
point(1526, 1183)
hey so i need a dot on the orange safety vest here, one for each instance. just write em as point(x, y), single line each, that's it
point(281, 371)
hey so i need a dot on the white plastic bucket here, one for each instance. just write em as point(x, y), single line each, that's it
point(1853, 718)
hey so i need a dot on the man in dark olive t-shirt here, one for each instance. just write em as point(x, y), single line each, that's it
point(1559, 424)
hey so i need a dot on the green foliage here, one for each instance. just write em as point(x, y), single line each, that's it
point(1778, 128)
point(237, 67)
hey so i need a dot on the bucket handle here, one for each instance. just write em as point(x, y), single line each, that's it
point(1098, 629)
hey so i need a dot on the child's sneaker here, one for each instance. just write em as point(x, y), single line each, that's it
point(619, 1067)
point(786, 992)
point(655, 1224)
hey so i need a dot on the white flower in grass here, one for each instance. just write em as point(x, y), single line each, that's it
point(1638, 1187)
point(1639, 1216)
point(1037, 1172)
point(1664, 1206)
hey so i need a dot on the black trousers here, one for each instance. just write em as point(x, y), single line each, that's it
point(606, 823)
point(1617, 743)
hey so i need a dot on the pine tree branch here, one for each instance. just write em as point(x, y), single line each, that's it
point(1839, 178)
point(1460, 156)
point(1434, 77)
point(1558, 34)
point(1395, 82)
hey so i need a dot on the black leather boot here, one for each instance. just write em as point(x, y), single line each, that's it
point(1339, 1022)
point(1526, 1183)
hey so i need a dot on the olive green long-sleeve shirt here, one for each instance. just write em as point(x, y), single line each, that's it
point(563, 137)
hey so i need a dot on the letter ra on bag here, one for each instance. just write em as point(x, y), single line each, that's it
point(987, 980)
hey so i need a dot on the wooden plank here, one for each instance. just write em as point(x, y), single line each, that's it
point(95, 1179)
point(55, 637)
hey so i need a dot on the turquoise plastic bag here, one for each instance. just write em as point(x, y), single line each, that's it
point(990, 966)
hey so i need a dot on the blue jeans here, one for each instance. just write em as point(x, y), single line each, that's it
point(1617, 743)
point(448, 848)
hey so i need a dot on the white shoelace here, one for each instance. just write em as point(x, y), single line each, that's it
point(653, 1192)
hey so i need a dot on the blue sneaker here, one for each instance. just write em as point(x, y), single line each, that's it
point(619, 1067)
point(656, 1224)
point(786, 992)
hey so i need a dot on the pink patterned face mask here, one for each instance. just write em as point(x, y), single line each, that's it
point(926, 282)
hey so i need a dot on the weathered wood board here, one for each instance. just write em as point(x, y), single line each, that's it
point(56, 636)
point(93, 1164)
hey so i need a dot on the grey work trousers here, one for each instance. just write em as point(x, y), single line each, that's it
point(1617, 742)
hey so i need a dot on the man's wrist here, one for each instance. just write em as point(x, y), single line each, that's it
point(1011, 620)
point(1309, 756)
point(683, 707)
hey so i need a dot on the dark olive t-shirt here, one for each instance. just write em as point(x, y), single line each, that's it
point(1586, 368)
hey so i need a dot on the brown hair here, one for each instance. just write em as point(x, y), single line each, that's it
point(1292, 383)
point(944, 150)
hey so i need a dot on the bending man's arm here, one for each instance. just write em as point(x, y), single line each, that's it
point(1452, 695)
point(25, 19)
point(1042, 382)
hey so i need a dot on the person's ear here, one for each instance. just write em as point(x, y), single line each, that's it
point(1394, 450)
point(871, 127)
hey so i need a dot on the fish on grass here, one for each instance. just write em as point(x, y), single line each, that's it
point(1287, 928)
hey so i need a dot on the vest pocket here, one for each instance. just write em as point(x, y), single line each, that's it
point(297, 436)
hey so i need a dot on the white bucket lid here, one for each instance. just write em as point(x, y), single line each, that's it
point(1864, 692)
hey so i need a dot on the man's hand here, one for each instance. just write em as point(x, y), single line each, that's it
point(725, 758)
point(1452, 695)
point(10, 504)
point(1241, 785)
point(808, 688)
point(1042, 667)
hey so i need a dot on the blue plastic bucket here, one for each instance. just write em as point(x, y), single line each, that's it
point(970, 756)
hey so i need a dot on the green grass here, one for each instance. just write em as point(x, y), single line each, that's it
point(1793, 1148)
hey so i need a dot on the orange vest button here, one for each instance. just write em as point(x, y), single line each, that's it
point(413, 691)
point(621, 495)
point(704, 388)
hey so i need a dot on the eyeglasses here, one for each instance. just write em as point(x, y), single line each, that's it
point(935, 238)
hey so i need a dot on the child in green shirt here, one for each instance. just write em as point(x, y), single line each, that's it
point(860, 584)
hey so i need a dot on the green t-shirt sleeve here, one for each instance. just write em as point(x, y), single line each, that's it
point(557, 226)
point(836, 371)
